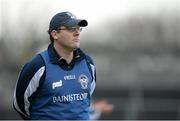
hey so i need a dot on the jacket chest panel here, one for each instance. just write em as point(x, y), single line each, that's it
point(60, 82)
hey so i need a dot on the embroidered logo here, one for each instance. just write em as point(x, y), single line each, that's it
point(83, 80)
point(57, 84)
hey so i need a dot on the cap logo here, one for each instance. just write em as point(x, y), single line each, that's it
point(71, 15)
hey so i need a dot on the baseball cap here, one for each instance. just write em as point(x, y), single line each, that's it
point(65, 19)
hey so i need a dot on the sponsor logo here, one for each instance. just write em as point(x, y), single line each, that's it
point(69, 77)
point(83, 80)
point(70, 97)
point(56, 84)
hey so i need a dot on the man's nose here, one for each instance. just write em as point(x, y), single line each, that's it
point(77, 32)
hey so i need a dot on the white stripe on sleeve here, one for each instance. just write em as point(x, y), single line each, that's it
point(93, 84)
point(17, 107)
point(32, 87)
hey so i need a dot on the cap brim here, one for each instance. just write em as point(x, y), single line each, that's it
point(75, 22)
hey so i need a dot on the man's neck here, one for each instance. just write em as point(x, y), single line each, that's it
point(66, 54)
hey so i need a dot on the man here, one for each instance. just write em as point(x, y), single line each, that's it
point(57, 83)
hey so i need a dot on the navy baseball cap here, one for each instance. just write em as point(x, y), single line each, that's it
point(65, 19)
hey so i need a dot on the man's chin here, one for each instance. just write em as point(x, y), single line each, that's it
point(76, 46)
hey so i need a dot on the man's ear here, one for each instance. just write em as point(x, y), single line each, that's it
point(54, 34)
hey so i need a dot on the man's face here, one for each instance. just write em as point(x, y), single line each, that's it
point(68, 37)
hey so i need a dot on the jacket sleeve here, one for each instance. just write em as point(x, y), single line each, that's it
point(28, 82)
point(93, 72)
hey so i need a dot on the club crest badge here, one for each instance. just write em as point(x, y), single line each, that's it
point(83, 80)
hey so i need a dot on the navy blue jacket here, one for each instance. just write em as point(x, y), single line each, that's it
point(49, 88)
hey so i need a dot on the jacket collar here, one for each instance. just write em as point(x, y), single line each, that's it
point(57, 59)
